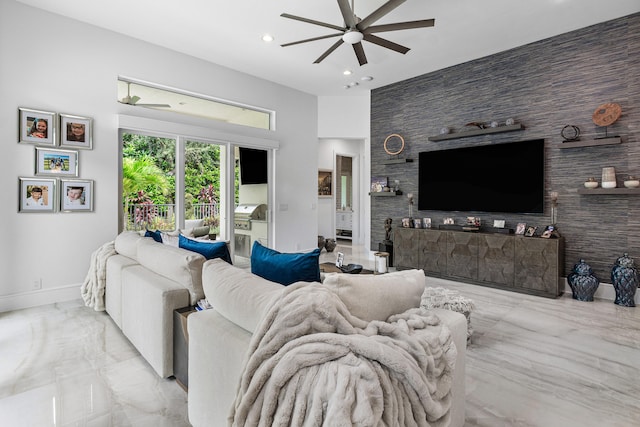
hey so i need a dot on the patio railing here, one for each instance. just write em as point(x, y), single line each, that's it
point(162, 216)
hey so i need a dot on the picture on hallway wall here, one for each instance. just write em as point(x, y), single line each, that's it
point(36, 127)
point(325, 183)
point(76, 131)
point(50, 162)
point(37, 195)
point(76, 195)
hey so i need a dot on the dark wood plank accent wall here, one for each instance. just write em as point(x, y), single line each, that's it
point(545, 86)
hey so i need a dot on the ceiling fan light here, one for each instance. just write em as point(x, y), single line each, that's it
point(352, 37)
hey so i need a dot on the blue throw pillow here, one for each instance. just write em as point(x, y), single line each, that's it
point(155, 235)
point(206, 249)
point(285, 268)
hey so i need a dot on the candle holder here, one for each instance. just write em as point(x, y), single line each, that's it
point(381, 262)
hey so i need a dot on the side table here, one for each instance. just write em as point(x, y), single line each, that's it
point(181, 346)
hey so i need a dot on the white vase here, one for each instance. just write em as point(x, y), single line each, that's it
point(609, 177)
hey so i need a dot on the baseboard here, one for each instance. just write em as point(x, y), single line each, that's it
point(39, 297)
point(605, 292)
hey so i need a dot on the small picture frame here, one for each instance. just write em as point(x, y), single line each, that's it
point(36, 127)
point(76, 132)
point(53, 162)
point(406, 223)
point(339, 259)
point(548, 232)
point(76, 195)
point(498, 223)
point(531, 231)
point(37, 195)
point(378, 183)
point(325, 183)
point(426, 222)
point(520, 228)
point(417, 223)
point(448, 221)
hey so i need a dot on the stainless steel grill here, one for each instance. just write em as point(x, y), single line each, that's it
point(245, 213)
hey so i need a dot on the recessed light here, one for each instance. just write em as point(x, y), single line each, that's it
point(352, 84)
point(267, 38)
point(366, 78)
point(347, 72)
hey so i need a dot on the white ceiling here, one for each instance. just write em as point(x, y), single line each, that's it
point(229, 33)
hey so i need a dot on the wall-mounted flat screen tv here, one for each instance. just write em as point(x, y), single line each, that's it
point(253, 166)
point(505, 178)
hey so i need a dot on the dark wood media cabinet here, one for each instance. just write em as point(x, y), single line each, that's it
point(530, 265)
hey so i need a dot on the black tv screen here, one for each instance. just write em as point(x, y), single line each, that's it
point(505, 178)
point(253, 166)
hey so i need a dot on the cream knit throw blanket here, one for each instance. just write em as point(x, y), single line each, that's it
point(95, 282)
point(312, 363)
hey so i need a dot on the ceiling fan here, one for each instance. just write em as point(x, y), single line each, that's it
point(355, 29)
point(133, 100)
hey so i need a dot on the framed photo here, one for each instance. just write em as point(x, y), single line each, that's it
point(426, 222)
point(548, 232)
point(76, 195)
point(51, 162)
point(340, 259)
point(406, 223)
point(520, 228)
point(498, 223)
point(76, 131)
point(37, 195)
point(37, 127)
point(531, 231)
point(417, 223)
point(448, 221)
point(378, 183)
point(325, 183)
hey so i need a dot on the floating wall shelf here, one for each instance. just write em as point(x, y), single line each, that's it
point(395, 161)
point(591, 143)
point(384, 194)
point(475, 132)
point(605, 191)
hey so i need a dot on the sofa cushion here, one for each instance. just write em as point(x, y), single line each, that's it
point(239, 296)
point(155, 235)
point(126, 243)
point(285, 268)
point(209, 250)
point(179, 265)
point(376, 297)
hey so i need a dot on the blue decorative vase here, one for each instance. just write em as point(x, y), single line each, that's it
point(582, 282)
point(624, 277)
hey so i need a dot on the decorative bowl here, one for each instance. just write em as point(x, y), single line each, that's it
point(632, 183)
point(351, 268)
point(591, 184)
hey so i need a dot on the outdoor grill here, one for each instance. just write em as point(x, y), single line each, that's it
point(245, 213)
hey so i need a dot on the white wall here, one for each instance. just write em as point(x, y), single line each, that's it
point(343, 128)
point(52, 63)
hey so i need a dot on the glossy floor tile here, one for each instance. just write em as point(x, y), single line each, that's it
point(532, 362)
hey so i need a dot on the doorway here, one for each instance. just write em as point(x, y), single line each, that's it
point(347, 224)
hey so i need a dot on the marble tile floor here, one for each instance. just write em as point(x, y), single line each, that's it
point(532, 362)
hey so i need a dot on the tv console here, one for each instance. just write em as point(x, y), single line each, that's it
point(531, 265)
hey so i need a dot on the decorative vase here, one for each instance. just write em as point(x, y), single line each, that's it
point(609, 178)
point(330, 245)
point(624, 277)
point(321, 242)
point(582, 282)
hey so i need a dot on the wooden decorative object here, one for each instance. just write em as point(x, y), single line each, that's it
point(607, 114)
point(394, 153)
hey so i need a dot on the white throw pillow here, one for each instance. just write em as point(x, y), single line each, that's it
point(377, 297)
point(126, 244)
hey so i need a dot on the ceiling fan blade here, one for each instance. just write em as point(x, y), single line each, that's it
point(379, 13)
point(347, 13)
point(400, 26)
point(133, 99)
point(359, 50)
point(311, 21)
point(312, 39)
point(328, 51)
point(386, 43)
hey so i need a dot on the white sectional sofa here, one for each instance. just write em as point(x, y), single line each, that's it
point(145, 282)
point(219, 338)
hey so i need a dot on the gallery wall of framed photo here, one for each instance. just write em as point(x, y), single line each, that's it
point(56, 185)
